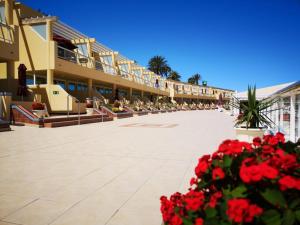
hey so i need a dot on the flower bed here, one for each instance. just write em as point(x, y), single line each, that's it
point(241, 183)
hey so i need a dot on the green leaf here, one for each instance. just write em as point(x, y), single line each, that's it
point(297, 214)
point(187, 221)
point(210, 212)
point(288, 217)
point(238, 192)
point(271, 217)
point(294, 203)
point(275, 197)
point(227, 161)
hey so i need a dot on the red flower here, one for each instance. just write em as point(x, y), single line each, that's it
point(253, 211)
point(257, 141)
point(194, 200)
point(201, 168)
point(288, 182)
point(255, 173)
point(193, 181)
point(250, 173)
point(203, 165)
point(229, 147)
point(268, 171)
point(199, 221)
point(273, 141)
point(218, 173)
point(267, 150)
point(176, 220)
point(240, 210)
point(214, 198)
point(280, 137)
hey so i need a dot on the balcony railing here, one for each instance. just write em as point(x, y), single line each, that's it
point(6, 33)
point(88, 62)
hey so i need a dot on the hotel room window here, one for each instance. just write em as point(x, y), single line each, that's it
point(2, 14)
point(82, 49)
point(71, 86)
point(60, 83)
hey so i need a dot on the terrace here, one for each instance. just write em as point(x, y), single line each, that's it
point(116, 180)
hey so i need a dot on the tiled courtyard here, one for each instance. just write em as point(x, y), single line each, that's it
point(111, 173)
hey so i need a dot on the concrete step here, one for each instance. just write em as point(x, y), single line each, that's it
point(75, 122)
point(72, 117)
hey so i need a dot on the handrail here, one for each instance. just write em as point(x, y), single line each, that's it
point(96, 98)
point(9, 31)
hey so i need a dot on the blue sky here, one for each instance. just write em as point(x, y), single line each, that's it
point(231, 43)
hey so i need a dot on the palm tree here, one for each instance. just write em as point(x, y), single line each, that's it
point(159, 65)
point(173, 75)
point(195, 79)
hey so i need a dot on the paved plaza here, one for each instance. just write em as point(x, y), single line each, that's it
point(104, 173)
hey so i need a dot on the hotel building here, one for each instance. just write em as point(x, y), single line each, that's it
point(64, 66)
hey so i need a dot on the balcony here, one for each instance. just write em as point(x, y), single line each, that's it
point(84, 61)
point(6, 33)
point(8, 38)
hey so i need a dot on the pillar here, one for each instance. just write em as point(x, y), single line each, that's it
point(9, 7)
point(50, 76)
point(130, 94)
point(114, 88)
point(293, 118)
point(90, 87)
point(142, 94)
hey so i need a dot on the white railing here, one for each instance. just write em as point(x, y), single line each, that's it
point(74, 57)
point(6, 33)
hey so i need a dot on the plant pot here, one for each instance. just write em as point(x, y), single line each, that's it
point(39, 113)
point(244, 134)
point(89, 111)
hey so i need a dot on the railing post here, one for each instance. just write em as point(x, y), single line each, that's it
point(78, 112)
point(68, 110)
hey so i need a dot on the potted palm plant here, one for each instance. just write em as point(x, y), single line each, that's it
point(253, 120)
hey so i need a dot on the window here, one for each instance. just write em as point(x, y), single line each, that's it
point(60, 83)
point(40, 29)
point(82, 87)
point(2, 14)
point(82, 49)
point(29, 80)
point(72, 87)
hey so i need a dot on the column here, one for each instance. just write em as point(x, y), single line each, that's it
point(281, 116)
point(130, 94)
point(114, 92)
point(50, 76)
point(9, 7)
point(90, 87)
point(293, 118)
point(142, 94)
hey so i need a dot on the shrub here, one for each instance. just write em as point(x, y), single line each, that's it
point(241, 183)
point(37, 106)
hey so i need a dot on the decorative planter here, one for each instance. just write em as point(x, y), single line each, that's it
point(89, 111)
point(244, 134)
point(39, 113)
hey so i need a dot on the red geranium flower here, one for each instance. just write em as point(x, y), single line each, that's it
point(240, 210)
point(257, 141)
point(176, 220)
point(194, 200)
point(288, 182)
point(218, 173)
point(214, 198)
point(199, 221)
